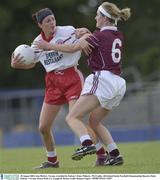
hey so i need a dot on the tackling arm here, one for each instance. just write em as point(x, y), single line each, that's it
point(69, 48)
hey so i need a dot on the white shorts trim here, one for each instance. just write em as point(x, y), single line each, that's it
point(108, 87)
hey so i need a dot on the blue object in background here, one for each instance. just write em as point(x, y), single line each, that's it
point(66, 137)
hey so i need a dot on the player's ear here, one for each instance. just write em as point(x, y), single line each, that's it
point(40, 25)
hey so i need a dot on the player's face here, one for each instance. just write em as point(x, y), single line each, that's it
point(99, 19)
point(48, 24)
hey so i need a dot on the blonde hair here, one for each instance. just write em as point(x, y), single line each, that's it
point(115, 12)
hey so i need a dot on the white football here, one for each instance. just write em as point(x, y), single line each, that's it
point(27, 52)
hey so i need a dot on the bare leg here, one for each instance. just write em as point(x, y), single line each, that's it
point(47, 116)
point(102, 132)
point(84, 105)
point(71, 104)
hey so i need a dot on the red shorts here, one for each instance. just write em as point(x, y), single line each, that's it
point(63, 86)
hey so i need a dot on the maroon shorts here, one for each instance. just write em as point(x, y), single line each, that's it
point(63, 86)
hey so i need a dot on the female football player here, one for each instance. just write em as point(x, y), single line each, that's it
point(63, 80)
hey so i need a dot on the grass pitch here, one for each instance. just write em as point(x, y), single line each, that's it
point(142, 157)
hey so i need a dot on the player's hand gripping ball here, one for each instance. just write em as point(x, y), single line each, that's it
point(27, 52)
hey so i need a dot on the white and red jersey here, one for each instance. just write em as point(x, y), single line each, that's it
point(56, 60)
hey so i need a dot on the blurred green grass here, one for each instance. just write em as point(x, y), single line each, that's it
point(141, 157)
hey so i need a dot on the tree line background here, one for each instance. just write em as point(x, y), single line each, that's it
point(141, 31)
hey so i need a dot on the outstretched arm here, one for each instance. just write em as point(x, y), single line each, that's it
point(69, 48)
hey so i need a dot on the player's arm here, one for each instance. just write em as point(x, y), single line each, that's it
point(69, 48)
point(79, 32)
point(17, 62)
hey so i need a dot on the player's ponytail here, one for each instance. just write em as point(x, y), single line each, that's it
point(114, 13)
point(34, 17)
point(125, 14)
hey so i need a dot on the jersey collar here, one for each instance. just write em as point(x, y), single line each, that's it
point(113, 28)
point(44, 37)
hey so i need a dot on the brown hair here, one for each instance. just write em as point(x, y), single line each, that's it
point(41, 14)
point(115, 12)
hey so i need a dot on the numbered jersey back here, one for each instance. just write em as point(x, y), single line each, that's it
point(107, 51)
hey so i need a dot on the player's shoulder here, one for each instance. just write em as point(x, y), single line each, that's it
point(97, 35)
point(111, 34)
point(39, 37)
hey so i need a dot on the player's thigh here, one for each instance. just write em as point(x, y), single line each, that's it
point(83, 105)
point(48, 114)
point(71, 104)
point(97, 115)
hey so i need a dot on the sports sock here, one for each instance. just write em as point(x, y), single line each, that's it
point(113, 150)
point(101, 153)
point(51, 156)
point(86, 140)
point(114, 153)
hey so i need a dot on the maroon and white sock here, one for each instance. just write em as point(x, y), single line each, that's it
point(101, 153)
point(113, 149)
point(86, 140)
point(51, 156)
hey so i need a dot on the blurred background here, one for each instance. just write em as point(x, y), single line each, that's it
point(21, 91)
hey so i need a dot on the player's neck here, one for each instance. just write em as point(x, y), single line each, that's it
point(107, 24)
point(47, 36)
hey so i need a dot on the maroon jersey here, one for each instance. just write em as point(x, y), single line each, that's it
point(107, 51)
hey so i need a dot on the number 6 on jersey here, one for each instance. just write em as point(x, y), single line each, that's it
point(116, 52)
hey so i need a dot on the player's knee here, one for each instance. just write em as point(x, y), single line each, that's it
point(43, 129)
point(70, 118)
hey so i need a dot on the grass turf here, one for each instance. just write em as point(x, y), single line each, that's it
point(142, 157)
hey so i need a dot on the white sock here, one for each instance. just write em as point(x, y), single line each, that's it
point(84, 137)
point(111, 147)
point(51, 153)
